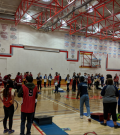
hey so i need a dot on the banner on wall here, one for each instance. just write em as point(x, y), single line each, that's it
point(100, 41)
point(95, 47)
point(73, 44)
point(66, 43)
point(115, 43)
point(118, 56)
point(110, 43)
point(100, 54)
point(78, 38)
point(67, 37)
point(95, 40)
point(4, 27)
point(95, 53)
point(72, 51)
point(72, 37)
point(118, 44)
point(13, 35)
point(84, 46)
point(90, 46)
point(100, 47)
point(90, 39)
point(79, 45)
point(114, 55)
point(109, 55)
point(13, 27)
point(105, 42)
point(4, 35)
point(114, 49)
point(105, 48)
point(105, 54)
point(84, 39)
point(110, 49)
point(118, 50)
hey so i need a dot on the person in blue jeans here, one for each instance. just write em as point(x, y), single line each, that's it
point(102, 80)
point(84, 98)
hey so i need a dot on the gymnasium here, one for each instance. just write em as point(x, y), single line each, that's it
point(59, 46)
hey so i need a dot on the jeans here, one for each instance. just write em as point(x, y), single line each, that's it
point(116, 84)
point(18, 87)
point(84, 99)
point(29, 122)
point(9, 112)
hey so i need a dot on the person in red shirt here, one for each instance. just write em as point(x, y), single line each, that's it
point(6, 78)
point(18, 80)
point(56, 81)
point(8, 101)
point(0, 80)
point(89, 82)
point(116, 80)
point(29, 94)
point(30, 74)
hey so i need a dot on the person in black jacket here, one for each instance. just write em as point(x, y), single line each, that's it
point(59, 81)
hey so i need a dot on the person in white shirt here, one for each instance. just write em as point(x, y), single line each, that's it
point(49, 80)
point(85, 77)
point(67, 79)
point(45, 80)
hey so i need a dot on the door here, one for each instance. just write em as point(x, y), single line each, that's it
point(3, 66)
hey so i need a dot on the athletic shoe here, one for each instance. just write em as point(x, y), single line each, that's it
point(81, 117)
point(11, 131)
point(116, 126)
point(89, 119)
point(104, 124)
point(6, 130)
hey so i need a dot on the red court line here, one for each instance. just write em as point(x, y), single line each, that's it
point(41, 132)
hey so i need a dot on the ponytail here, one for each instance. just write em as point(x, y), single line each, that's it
point(6, 91)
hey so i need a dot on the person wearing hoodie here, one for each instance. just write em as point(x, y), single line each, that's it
point(29, 93)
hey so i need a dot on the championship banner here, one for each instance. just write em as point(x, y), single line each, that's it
point(66, 43)
point(13, 28)
point(90, 46)
point(95, 53)
point(114, 55)
point(114, 49)
point(73, 37)
point(67, 37)
point(79, 45)
point(84, 46)
point(101, 41)
point(118, 44)
point(110, 49)
point(84, 39)
point(105, 42)
point(95, 47)
point(109, 55)
point(118, 50)
point(13, 35)
point(78, 38)
point(72, 51)
point(4, 35)
point(115, 43)
point(90, 39)
point(118, 56)
point(105, 54)
point(100, 54)
point(95, 40)
point(72, 44)
point(105, 48)
point(4, 27)
point(100, 47)
point(110, 43)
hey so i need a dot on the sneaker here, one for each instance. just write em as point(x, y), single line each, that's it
point(11, 131)
point(89, 119)
point(104, 124)
point(6, 130)
point(81, 117)
point(116, 126)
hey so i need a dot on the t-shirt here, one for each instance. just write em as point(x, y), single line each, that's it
point(82, 87)
point(86, 78)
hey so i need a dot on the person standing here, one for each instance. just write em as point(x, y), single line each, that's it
point(89, 82)
point(85, 78)
point(84, 98)
point(59, 81)
point(45, 80)
point(49, 80)
point(92, 79)
point(102, 80)
point(116, 79)
point(6, 78)
point(0, 80)
point(74, 82)
point(38, 81)
point(18, 80)
point(29, 93)
point(109, 93)
point(56, 82)
point(67, 79)
point(30, 74)
point(8, 101)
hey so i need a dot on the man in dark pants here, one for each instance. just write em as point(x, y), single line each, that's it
point(59, 81)
point(29, 94)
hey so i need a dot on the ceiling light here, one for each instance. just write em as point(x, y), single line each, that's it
point(64, 23)
point(90, 9)
point(46, 0)
point(29, 17)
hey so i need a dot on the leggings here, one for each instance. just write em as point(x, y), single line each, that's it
point(8, 111)
point(49, 82)
point(39, 85)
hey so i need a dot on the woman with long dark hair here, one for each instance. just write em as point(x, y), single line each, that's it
point(8, 101)
point(67, 79)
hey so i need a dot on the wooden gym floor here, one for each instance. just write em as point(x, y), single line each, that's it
point(65, 111)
